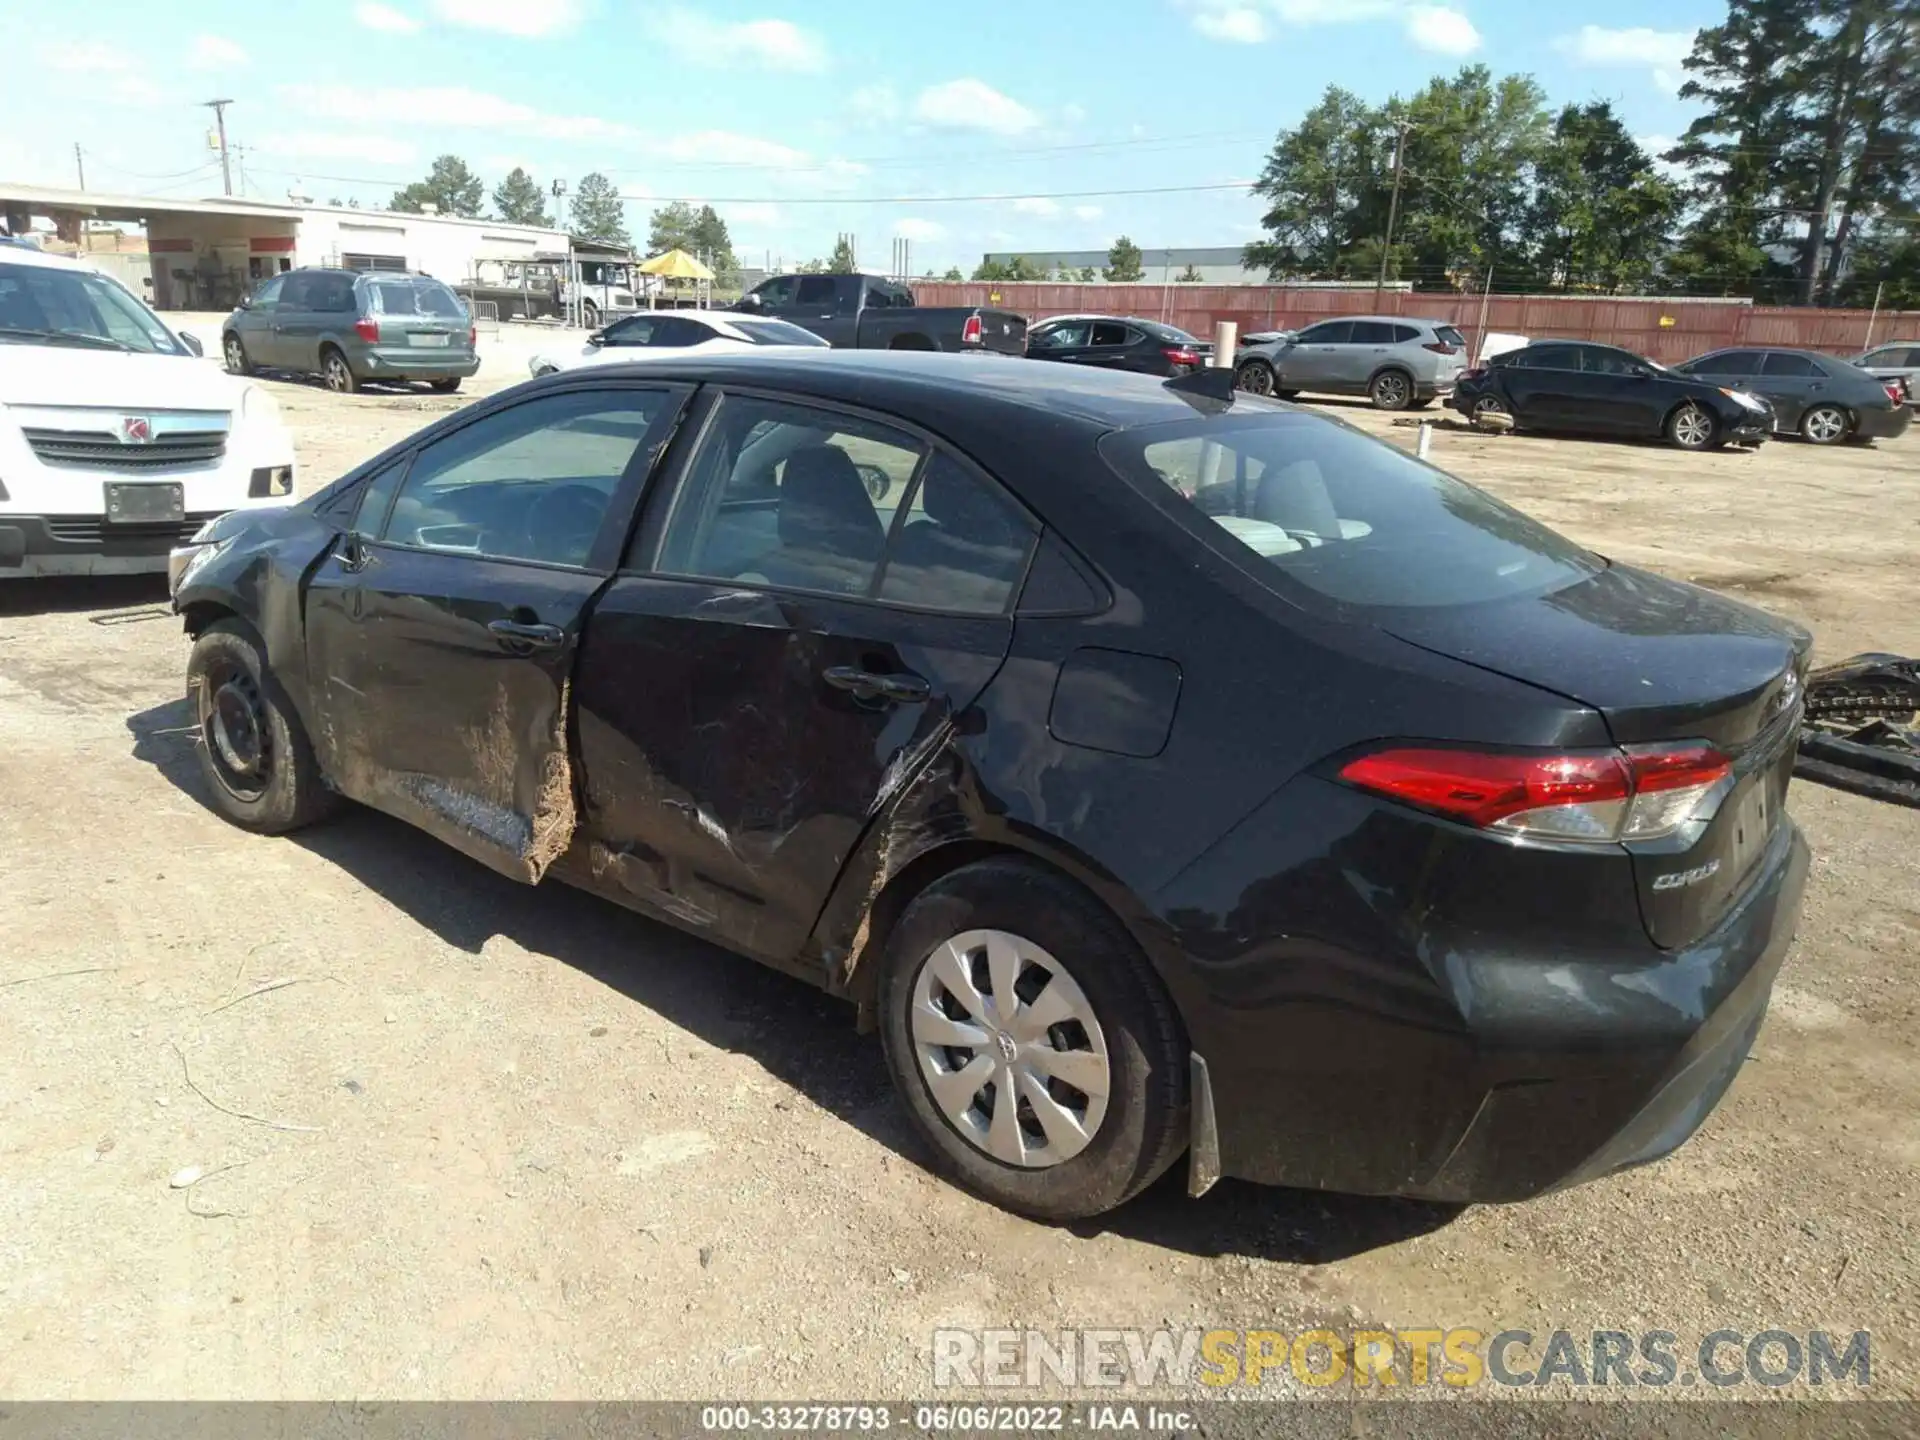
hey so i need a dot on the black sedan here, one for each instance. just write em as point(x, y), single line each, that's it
point(1161, 772)
point(1117, 342)
point(1824, 399)
point(1579, 387)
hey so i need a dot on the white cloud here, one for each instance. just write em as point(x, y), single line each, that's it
point(697, 39)
point(528, 19)
point(1249, 22)
point(1036, 205)
point(1666, 80)
point(85, 57)
point(215, 52)
point(971, 104)
point(723, 147)
point(876, 104)
point(375, 16)
point(1073, 114)
point(1087, 212)
point(1237, 24)
point(451, 105)
point(918, 230)
point(1443, 31)
point(1596, 45)
point(333, 145)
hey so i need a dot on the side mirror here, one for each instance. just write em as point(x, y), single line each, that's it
point(246, 302)
point(192, 342)
point(597, 338)
point(749, 302)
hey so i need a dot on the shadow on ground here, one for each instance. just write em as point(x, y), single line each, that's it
point(65, 595)
point(797, 1033)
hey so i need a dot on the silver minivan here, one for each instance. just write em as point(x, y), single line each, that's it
point(353, 326)
point(1394, 361)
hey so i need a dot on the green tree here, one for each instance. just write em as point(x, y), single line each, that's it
point(517, 199)
point(811, 267)
point(450, 187)
point(993, 270)
point(953, 273)
point(1123, 261)
point(1322, 181)
point(597, 213)
point(1189, 276)
point(1088, 274)
point(842, 261)
point(1601, 216)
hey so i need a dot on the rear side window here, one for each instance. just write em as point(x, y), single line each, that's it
point(1372, 332)
point(334, 293)
point(1106, 332)
point(1324, 512)
point(1405, 334)
point(1783, 364)
point(1548, 357)
point(428, 298)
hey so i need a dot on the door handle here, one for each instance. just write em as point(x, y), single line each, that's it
point(521, 635)
point(865, 685)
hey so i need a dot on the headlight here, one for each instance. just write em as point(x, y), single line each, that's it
point(257, 404)
point(1740, 398)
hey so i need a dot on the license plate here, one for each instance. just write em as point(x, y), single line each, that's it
point(441, 341)
point(144, 504)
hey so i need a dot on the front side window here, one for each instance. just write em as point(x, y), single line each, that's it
point(1325, 513)
point(1333, 332)
point(529, 483)
point(1729, 362)
point(777, 294)
point(1067, 335)
point(269, 293)
point(633, 331)
point(1598, 360)
point(48, 305)
point(815, 290)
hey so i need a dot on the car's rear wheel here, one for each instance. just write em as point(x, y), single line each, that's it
point(1825, 425)
point(1491, 405)
point(1256, 377)
point(448, 386)
point(337, 373)
point(236, 356)
point(1390, 390)
point(1033, 1045)
point(1692, 427)
point(254, 753)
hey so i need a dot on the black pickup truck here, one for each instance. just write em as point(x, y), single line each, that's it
point(862, 312)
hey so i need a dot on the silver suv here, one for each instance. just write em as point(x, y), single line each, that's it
point(1395, 361)
point(1898, 362)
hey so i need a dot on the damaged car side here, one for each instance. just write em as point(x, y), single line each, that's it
point(1159, 771)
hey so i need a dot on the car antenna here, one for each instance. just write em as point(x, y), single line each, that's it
point(1212, 386)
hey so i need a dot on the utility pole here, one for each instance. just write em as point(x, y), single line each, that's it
point(219, 108)
point(1393, 207)
point(79, 165)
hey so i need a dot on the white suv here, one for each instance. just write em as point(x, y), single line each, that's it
point(116, 440)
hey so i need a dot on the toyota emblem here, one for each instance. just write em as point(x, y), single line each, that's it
point(136, 430)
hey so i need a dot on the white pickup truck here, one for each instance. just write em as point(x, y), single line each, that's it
point(117, 441)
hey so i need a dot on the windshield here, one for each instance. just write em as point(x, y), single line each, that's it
point(416, 297)
point(44, 304)
point(1316, 506)
point(776, 332)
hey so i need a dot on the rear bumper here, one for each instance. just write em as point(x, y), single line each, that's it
point(1883, 424)
point(407, 363)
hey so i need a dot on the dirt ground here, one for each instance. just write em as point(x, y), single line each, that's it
point(488, 1141)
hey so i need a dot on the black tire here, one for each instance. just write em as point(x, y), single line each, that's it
point(590, 315)
point(336, 373)
point(1825, 425)
point(240, 712)
point(1144, 1128)
point(234, 351)
point(1685, 432)
point(1420, 402)
point(1286, 394)
point(448, 386)
point(1390, 390)
point(1256, 377)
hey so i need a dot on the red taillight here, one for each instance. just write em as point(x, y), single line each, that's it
point(367, 328)
point(1475, 373)
point(1181, 356)
point(1639, 793)
point(1895, 393)
point(1440, 347)
point(473, 336)
point(971, 332)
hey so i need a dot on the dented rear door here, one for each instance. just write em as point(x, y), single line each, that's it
point(442, 638)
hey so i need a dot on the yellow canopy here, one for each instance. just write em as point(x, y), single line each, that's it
point(676, 265)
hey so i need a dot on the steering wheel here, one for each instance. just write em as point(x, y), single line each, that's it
point(878, 481)
point(563, 521)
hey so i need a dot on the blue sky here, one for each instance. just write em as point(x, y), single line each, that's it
point(798, 119)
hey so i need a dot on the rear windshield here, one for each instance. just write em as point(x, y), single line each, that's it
point(1316, 506)
point(776, 332)
point(415, 297)
point(1447, 335)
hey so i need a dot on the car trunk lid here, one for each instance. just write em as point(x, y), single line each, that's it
point(1662, 663)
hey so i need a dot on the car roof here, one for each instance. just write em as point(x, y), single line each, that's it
point(1380, 319)
point(922, 386)
point(19, 252)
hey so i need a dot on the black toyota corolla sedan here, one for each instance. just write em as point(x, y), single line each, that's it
point(1162, 772)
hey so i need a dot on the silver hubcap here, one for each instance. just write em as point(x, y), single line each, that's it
point(236, 357)
point(1825, 424)
point(1692, 427)
point(1257, 380)
point(336, 374)
point(1392, 390)
point(1489, 406)
point(1009, 1048)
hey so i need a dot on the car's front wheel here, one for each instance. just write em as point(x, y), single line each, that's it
point(1256, 377)
point(254, 753)
point(1033, 1045)
point(1692, 427)
point(1824, 425)
point(236, 356)
point(447, 386)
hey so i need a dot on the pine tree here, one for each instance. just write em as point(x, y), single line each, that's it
point(450, 187)
point(1123, 261)
point(597, 212)
point(518, 200)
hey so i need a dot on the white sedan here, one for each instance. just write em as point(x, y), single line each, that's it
point(676, 332)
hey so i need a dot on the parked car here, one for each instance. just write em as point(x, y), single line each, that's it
point(1824, 399)
point(653, 333)
point(1117, 342)
point(116, 440)
point(1396, 362)
point(1899, 361)
point(862, 312)
point(1272, 778)
point(1582, 388)
point(352, 326)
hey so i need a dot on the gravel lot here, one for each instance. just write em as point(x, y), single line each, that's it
point(507, 1142)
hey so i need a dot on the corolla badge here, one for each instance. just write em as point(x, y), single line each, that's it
point(1680, 879)
point(135, 430)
